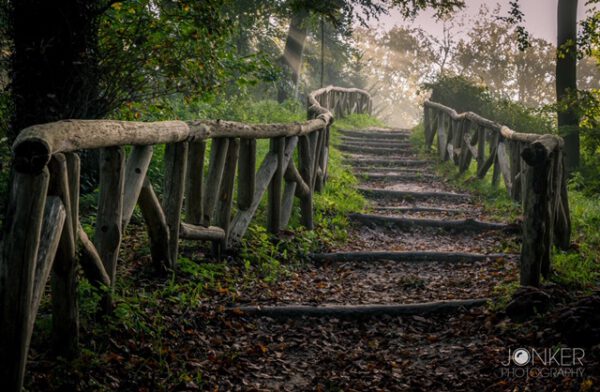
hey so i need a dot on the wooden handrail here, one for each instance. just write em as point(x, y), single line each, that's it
point(45, 194)
point(531, 166)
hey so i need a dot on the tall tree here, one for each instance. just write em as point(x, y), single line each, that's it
point(566, 80)
point(54, 60)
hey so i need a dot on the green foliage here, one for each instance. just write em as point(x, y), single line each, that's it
point(356, 121)
point(464, 95)
point(580, 267)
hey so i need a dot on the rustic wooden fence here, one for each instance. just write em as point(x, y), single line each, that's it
point(43, 233)
point(531, 166)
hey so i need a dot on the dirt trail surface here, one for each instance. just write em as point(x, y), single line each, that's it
point(232, 342)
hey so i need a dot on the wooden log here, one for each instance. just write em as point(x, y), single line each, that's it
point(287, 204)
point(201, 233)
point(504, 166)
point(73, 170)
point(358, 311)
point(246, 173)
point(515, 170)
point(52, 229)
point(375, 142)
point(35, 145)
point(443, 137)
point(562, 225)
point(386, 162)
point(370, 134)
point(275, 187)
point(404, 195)
point(358, 170)
point(60, 187)
point(376, 150)
point(174, 188)
point(90, 261)
point(536, 247)
point(65, 309)
point(410, 223)
point(225, 203)
point(135, 173)
point(480, 148)
point(418, 257)
point(293, 176)
point(107, 237)
point(398, 177)
point(218, 156)
point(305, 162)
point(423, 209)
point(389, 144)
point(23, 226)
point(194, 184)
point(243, 217)
point(491, 158)
point(158, 231)
point(495, 172)
point(263, 178)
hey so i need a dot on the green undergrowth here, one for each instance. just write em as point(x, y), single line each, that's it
point(579, 267)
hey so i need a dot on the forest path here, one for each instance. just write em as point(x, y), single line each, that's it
point(421, 247)
point(418, 266)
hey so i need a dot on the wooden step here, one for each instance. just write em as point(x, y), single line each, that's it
point(470, 225)
point(358, 311)
point(376, 135)
point(380, 170)
point(367, 143)
point(397, 177)
point(391, 162)
point(421, 209)
point(417, 257)
point(405, 195)
point(377, 150)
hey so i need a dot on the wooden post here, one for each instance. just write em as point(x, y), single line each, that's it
point(481, 137)
point(275, 187)
point(65, 311)
point(135, 173)
point(52, 229)
point(515, 169)
point(246, 173)
point(23, 226)
point(158, 231)
point(73, 170)
point(107, 237)
point(218, 155)
point(305, 158)
point(562, 225)
point(223, 215)
point(537, 242)
point(176, 156)
point(195, 170)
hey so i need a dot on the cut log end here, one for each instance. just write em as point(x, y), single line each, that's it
point(31, 155)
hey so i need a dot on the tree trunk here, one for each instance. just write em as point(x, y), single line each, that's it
point(566, 78)
point(292, 54)
point(54, 67)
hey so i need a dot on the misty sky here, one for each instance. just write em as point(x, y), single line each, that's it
point(540, 16)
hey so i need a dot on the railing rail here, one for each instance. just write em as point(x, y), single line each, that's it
point(531, 166)
point(42, 227)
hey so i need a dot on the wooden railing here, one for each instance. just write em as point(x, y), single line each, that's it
point(532, 167)
point(42, 228)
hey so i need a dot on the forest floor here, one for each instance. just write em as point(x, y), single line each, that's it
point(215, 345)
